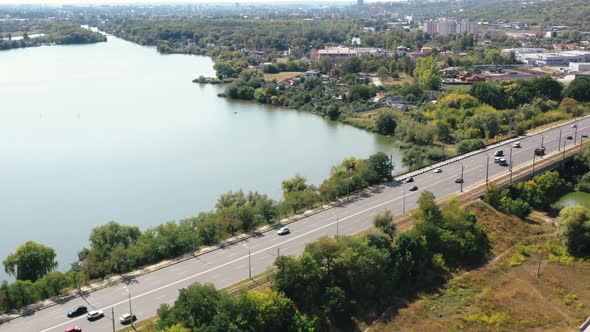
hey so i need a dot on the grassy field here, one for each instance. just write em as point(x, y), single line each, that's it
point(505, 294)
point(282, 76)
point(403, 79)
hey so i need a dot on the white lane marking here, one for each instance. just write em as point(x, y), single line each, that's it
point(243, 257)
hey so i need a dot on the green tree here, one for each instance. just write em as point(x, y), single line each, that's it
point(385, 123)
point(574, 230)
point(489, 93)
point(426, 73)
point(578, 89)
point(382, 72)
point(351, 66)
point(31, 261)
point(384, 222)
point(381, 164)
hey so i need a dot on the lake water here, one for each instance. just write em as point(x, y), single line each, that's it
point(116, 131)
point(573, 199)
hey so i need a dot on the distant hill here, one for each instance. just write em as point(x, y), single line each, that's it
point(574, 13)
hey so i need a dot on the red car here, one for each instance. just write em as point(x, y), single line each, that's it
point(73, 329)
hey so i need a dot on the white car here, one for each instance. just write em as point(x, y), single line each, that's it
point(516, 145)
point(283, 230)
point(127, 318)
point(438, 170)
point(95, 314)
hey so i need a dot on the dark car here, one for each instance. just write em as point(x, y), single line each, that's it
point(77, 311)
point(569, 137)
point(540, 151)
point(409, 180)
point(413, 188)
point(499, 153)
point(584, 135)
point(458, 180)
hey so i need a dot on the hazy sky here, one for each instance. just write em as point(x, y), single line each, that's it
point(146, 1)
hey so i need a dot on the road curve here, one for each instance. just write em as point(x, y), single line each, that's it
point(229, 265)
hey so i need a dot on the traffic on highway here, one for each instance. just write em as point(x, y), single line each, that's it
point(139, 298)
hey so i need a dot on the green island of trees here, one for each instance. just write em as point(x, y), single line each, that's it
point(56, 33)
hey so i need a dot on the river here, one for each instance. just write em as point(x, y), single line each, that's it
point(116, 131)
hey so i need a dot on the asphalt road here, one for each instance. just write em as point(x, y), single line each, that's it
point(227, 266)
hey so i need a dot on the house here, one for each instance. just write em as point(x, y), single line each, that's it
point(312, 73)
point(450, 72)
point(245, 51)
point(417, 54)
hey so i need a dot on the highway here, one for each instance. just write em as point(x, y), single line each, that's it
point(224, 267)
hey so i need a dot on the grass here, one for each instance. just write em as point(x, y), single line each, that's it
point(282, 76)
point(505, 294)
point(403, 79)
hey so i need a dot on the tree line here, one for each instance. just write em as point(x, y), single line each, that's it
point(336, 280)
point(116, 248)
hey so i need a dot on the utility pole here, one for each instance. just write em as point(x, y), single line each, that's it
point(542, 140)
point(278, 252)
point(576, 134)
point(404, 201)
point(510, 166)
point(461, 178)
point(559, 141)
point(533, 175)
point(581, 142)
point(113, 317)
point(249, 264)
point(487, 168)
point(337, 226)
point(563, 154)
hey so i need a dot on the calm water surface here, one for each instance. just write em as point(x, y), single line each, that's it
point(115, 131)
point(573, 199)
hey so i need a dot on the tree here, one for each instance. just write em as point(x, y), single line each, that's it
point(31, 261)
point(428, 210)
point(385, 123)
point(385, 223)
point(381, 164)
point(469, 145)
point(489, 93)
point(578, 89)
point(333, 112)
point(351, 66)
point(382, 72)
point(574, 230)
point(426, 73)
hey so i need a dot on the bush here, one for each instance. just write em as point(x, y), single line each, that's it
point(469, 145)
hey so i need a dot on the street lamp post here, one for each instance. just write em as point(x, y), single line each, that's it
point(404, 201)
point(249, 262)
point(337, 226)
point(510, 165)
point(533, 174)
point(130, 310)
point(542, 140)
point(575, 134)
point(563, 154)
point(194, 242)
point(461, 178)
point(487, 168)
point(559, 141)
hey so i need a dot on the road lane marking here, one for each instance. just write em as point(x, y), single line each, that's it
point(272, 246)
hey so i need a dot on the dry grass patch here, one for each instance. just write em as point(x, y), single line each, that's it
point(505, 295)
point(282, 76)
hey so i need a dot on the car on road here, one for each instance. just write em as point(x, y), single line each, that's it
point(413, 188)
point(73, 329)
point(497, 159)
point(574, 125)
point(95, 314)
point(77, 311)
point(540, 151)
point(584, 135)
point(516, 145)
point(570, 137)
point(283, 230)
point(438, 170)
point(410, 180)
point(499, 153)
point(502, 162)
point(458, 180)
point(127, 319)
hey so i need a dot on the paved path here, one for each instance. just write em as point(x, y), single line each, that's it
point(227, 266)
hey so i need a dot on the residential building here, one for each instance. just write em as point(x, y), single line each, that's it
point(579, 66)
point(448, 27)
